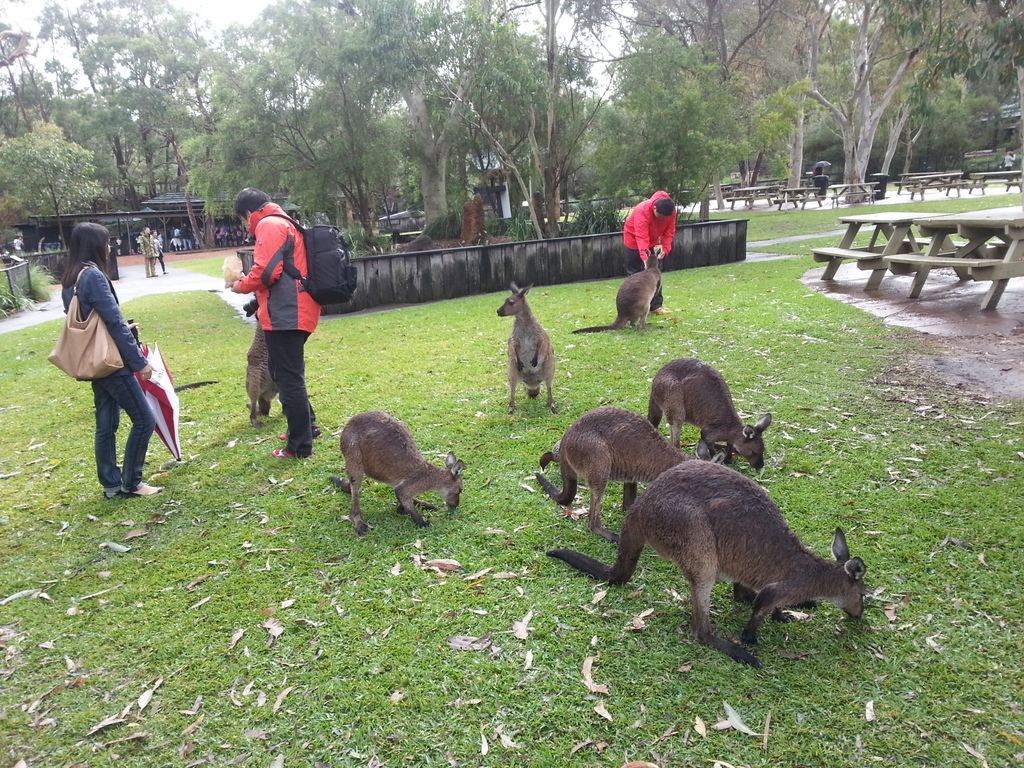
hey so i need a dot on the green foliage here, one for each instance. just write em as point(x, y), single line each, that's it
point(166, 653)
point(41, 279)
point(47, 174)
point(671, 127)
point(591, 219)
point(447, 227)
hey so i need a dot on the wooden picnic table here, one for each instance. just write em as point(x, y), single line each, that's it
point(994, 249)
point(851, 191)
point(981, 180)
point(891, 233)
point(750, 195)
point(922, 182)
point(798, 196)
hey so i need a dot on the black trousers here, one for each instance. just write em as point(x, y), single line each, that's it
point(287, 362)
point(635, 264)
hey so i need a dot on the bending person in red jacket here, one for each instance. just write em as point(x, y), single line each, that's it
point(287, 313)
point(651, 223)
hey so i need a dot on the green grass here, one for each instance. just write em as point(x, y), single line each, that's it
point(926, 479)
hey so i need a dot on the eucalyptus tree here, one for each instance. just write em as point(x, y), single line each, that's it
point(143, 66)
point(859, 60)
point(303, 110)
point(24, 99)
point(670, 125)
point(46, 174)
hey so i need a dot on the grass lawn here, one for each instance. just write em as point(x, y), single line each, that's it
point(237, 619)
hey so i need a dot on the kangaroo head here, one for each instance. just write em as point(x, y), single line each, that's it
point(751, 445)
point(851, 597)
point(514, 303)
point(454, 492)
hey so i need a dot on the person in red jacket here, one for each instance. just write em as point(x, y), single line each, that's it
point(651, 223)
point(287, 313)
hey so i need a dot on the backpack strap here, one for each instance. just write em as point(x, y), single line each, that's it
point(289, 258)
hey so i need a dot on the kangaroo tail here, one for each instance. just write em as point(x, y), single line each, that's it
point(596, 328)
point(581, 562)
point(342, 483)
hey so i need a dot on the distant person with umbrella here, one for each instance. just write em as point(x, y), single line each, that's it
point(85, 272)
point(819, 178)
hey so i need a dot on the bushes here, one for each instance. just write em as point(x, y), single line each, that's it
point(591, 219)
point(31, 283)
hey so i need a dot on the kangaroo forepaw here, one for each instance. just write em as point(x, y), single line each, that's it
point(424, 505)
point(610, 535)
point(748, 637)
point(342, 484)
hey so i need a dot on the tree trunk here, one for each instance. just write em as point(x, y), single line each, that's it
point(432, 154)
point(796, 149)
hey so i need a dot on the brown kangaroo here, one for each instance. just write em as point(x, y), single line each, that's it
point(531, 358)
point(606, 445)
point(258, 384)
point(716, 524)
point(690, 391)
point(377, 444)
point(633, 301)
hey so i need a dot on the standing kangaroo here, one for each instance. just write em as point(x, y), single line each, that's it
point(531, 359)
point(260, 388)
point(717, 525)
point(690, 391)
point(377, 444)
point(633, 301)
point(606, 445)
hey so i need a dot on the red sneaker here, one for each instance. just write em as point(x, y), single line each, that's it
point(281, 453)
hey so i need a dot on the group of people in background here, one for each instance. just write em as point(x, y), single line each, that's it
point(229, 236)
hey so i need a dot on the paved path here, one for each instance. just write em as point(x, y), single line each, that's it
point(132, 284)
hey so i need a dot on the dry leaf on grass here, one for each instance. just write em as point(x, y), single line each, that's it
point(600, 709)
point(275, 628)
point(735, 721)
point(869, 711)
point(235, 638)
point(700, 727)
point(444, 565)
point(588, 676)
point(598, 597)
point(281, 697)
point(521, 628)
point(396, 696)
point(105, 723)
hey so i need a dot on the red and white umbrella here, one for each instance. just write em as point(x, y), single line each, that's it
point(162, 399)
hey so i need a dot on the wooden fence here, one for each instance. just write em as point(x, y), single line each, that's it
point(415, 278)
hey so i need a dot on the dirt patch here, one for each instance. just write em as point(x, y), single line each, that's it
point(989, 365)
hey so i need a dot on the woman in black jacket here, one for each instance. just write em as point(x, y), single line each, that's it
point(86, 273)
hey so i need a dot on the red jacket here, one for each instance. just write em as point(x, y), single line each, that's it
point(642, 231)
point(284, 306)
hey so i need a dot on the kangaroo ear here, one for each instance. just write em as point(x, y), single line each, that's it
point(525, 290)
point(855, 568)
point(703, 452)
point(839, 548)
point(454, 465)
point(749, 432)
point(763, 423)
point(513, 287)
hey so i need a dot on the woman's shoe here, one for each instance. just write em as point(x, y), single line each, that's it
point(142, 490)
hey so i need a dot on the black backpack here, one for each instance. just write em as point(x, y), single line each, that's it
point(331, 277)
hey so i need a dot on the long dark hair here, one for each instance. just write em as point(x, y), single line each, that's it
point(89, 242)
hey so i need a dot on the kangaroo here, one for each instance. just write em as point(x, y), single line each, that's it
point(258, 384)
point(688, 390)
point(716, 524)
point(531, 358)
point(610, 444)
point(633, 301)
point(378, 445)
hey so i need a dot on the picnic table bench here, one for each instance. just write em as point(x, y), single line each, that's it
point(798, 196)
point(750, 195)
point(993, 251)
point(852, 192)
point(982, 180)
point(919, 183)
point(891, 234)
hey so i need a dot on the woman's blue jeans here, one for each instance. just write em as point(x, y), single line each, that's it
point(111, 395)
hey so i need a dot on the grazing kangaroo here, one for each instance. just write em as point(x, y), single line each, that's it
point(606, 445)
point(378, 445)
point(716, 524)
point(690, 391)
point(531, 359)
point(633, 301)
point(258, 384)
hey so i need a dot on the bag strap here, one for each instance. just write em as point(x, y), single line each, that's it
point(289, 260)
